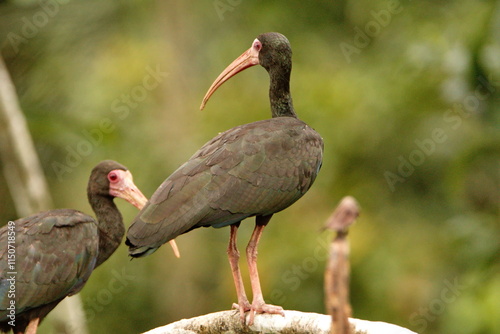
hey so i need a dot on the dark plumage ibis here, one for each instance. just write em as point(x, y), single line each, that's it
point(56, 251)
point(255, 169)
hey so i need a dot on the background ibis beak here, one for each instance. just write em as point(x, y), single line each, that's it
point(249, 58)
point(127, 190)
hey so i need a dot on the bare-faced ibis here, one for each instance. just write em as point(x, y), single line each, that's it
point(50, 255)
point(256, 169)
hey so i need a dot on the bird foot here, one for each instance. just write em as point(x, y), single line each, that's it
point(242, 307)
point(258, 308)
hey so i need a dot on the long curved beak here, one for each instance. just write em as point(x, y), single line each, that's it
point(128, 191)
point(175, 249)
point(249, 58)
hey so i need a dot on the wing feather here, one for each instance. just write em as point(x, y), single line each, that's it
point(254, 169)
point(55, 255)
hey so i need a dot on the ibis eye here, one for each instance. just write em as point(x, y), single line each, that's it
point(257, 45)
point(112, 177)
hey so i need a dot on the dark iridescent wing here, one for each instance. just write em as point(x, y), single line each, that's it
point(55, 253)
point(254, 169)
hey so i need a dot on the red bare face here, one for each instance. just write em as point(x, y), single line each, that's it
point(121, 185)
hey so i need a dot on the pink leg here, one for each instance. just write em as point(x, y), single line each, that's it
point(234, 256)
point(32, 326)
point(258, 304)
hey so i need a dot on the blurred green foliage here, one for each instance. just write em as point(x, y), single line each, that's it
point(405, 94)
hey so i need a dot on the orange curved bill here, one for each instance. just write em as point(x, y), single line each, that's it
point(249, 58)
point(173, 244)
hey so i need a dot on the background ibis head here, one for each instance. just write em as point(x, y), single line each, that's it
point(110, 179)
point(272, 51)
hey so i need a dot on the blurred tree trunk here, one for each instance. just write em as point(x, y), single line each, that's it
point(21, 167)
point(26, 181)
point(293, 322)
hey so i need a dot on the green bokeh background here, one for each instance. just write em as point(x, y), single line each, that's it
point(404, 93)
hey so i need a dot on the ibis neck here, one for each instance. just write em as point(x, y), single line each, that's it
point(110, 224)
point(279, 93)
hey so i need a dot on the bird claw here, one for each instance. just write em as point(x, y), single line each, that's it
point(264, 308)
point(256, 309)
point(243, 307)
